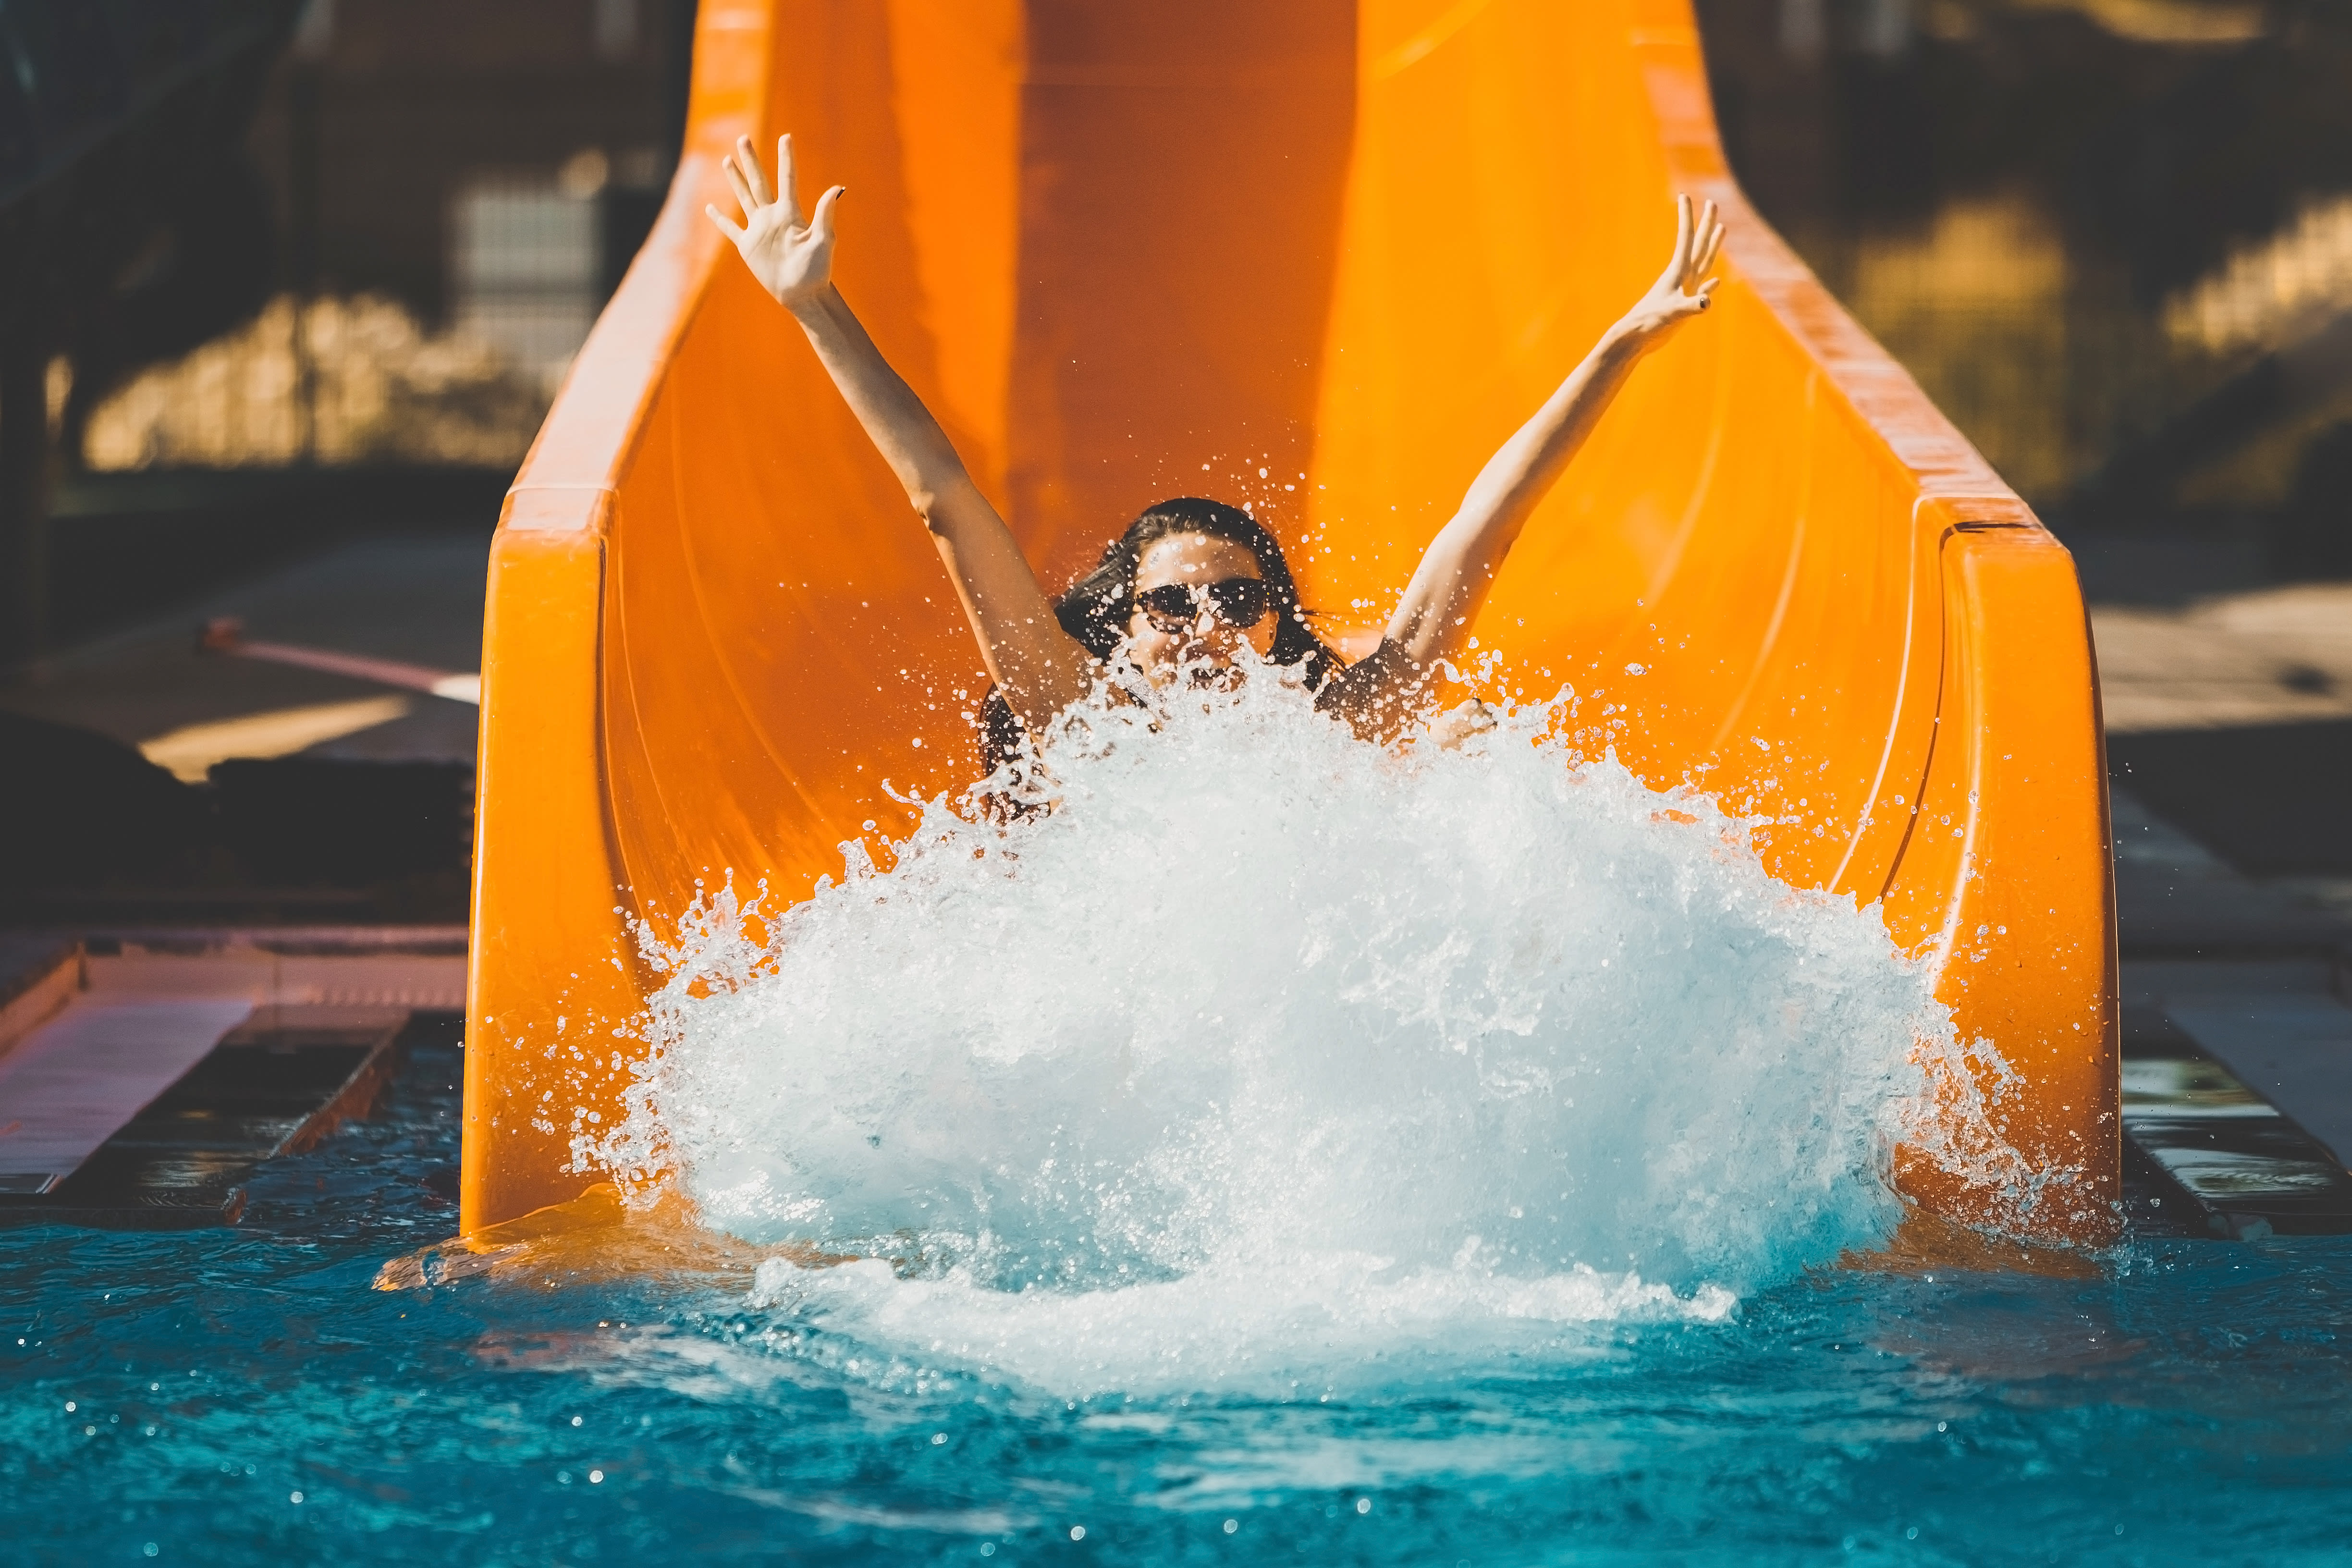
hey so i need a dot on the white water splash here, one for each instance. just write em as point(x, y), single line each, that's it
point(1267, 1052)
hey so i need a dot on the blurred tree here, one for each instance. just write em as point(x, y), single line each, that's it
point(2157, 144)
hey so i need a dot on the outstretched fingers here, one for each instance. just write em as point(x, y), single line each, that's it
point(746, 165)
point(1692, 257)
point(740, 184)
point(1709, 254)
point(821, 220)
point(1710, 243)
point(727, 225)
point(788, 179)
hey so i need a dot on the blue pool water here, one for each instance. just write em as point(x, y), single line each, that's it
point(2189, 1401)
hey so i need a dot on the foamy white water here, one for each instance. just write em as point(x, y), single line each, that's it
point(1267, 1053)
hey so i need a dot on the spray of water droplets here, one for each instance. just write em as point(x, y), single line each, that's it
point(1267, 1052)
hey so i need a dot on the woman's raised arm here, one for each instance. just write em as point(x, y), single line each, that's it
point(1433, 620)
point(1040, 669)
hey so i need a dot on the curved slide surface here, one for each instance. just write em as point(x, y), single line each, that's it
point(1352, 244)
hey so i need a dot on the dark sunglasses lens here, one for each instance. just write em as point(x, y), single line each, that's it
point(1241, 601)
point(1168, 602)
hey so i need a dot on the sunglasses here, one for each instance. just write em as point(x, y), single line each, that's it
point(1239, 602)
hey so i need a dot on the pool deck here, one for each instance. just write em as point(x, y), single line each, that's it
point(2225, 713)
point(175, 1061)
point(416, 600)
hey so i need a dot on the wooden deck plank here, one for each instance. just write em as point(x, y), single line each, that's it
point(2294, 1050)
point(278, 1084)
point(76, 1081)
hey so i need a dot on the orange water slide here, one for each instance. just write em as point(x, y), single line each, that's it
point(1127, 249)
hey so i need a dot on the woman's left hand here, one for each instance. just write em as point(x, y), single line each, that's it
point(1683, 289)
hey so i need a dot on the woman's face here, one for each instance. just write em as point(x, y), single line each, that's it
point(1165, 645)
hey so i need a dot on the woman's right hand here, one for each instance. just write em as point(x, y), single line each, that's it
point(793, 259)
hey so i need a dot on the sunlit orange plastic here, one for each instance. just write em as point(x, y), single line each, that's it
point(1115, 241)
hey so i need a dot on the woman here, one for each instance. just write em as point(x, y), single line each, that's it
point(1191, 581)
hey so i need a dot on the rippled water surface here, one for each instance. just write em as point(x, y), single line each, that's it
point(2188, 1401)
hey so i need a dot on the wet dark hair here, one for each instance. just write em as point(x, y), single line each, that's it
point(1097, 608)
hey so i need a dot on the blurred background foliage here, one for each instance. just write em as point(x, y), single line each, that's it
point(285, 271)
point(2113, 239)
